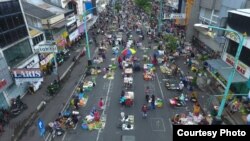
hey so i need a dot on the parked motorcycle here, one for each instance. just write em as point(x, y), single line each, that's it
point(4, 116)
point(17, 107)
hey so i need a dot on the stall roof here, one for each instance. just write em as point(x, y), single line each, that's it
point(224, 70)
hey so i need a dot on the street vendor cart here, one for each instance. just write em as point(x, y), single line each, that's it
point(127, 99)
point(128, 81)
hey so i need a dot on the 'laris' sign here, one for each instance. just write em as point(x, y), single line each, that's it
point(27, 73)
point(240, 68)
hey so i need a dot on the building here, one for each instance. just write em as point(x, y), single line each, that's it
point(15, 50)
point(211, 12)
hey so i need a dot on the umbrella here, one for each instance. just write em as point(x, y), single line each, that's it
point(128, 52)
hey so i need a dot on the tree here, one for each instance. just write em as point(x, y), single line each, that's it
point(171, 42)
point(144, 4)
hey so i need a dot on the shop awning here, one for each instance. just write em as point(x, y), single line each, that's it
point(224, 70)
point(59, 24)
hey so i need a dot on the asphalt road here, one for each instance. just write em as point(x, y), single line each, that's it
point(157, 126)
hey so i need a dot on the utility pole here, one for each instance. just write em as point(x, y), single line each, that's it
point(160, 16)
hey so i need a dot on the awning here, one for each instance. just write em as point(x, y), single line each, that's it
point(59, 24)
point(224, 70)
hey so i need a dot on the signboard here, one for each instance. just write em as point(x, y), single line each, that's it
point(233, 36)
point(241, 68)
point(27, 73)
point(46, 48)
point(41, 127)
point(47, 59)
point(71, 20)
point(175, 16)
point(73, 35)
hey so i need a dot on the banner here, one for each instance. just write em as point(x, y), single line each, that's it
point(27, 73)
point(174, 16)
point(46, 48)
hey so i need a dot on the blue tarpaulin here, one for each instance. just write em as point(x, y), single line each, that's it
point(88, 5)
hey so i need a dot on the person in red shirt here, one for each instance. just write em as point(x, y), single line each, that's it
point(101, 104)
point(144, 110)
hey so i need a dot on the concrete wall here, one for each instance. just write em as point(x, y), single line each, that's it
point(190, 31)
point(207, 4)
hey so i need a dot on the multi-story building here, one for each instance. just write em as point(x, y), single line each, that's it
point(212, 12)
point(15, 49)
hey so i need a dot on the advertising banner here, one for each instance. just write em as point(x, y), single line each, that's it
point(27, 75)
point(174, 16)
point(46, 48)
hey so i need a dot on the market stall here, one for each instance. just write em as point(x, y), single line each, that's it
point(127, 99)
point(92, 121)
point(148, 72)
point(128, 81)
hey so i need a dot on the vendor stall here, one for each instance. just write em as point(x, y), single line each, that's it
point(92, 121)
point(128, 81)
point(127, 99)
point(148, 72)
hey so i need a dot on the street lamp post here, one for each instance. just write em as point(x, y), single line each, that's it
point(241, 39)
point(160, 17)
point(86, 35)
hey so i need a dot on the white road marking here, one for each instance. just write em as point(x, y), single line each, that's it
point(63, 138)
point(170, 122)
point(157, 122)
point(160, 87)
point(104, 110)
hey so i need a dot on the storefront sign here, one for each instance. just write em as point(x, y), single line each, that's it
point(27, 73)
point(232, 36)
point(175, 16)
point(47, 59)
point(71, 20)
point(3, 83)
point(71, 28)
point(73, 35)
point(46, 48)
point(241, 68)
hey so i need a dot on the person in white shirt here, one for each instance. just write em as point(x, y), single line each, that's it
point(181, 85)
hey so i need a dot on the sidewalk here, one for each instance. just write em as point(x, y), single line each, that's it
point(33, 101)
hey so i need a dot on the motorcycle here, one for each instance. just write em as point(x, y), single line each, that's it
point(55, 129)
point(17, 107)
point(53, 88)
point(177, 102)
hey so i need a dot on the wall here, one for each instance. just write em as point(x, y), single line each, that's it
point(190, 31)
point(207, 4)
point(210, 42)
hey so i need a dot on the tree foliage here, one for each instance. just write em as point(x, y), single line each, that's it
point(171, 41)
point(144, 4)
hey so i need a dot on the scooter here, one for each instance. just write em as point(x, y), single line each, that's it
point(17, 106)
point(176, 102)
point(55, 129)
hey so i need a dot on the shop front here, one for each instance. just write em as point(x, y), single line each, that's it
point(220, 70)
point(46, 63)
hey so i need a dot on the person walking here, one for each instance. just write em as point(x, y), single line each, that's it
point(153, 101)
point(144, 110)
point(101, 104)
point(147, 97)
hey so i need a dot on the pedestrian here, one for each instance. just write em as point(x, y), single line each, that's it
point(153, 101)
point(196, 109)
point(147, 97)
point(144, 110)
point(101, 104)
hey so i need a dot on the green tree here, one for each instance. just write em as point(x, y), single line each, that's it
point(144, 4)
point(171, 42)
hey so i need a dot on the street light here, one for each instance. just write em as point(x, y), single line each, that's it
point(86, 35)
point(241, 39)
point(160, 16)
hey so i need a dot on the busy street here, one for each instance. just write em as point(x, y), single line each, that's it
point(129, 76)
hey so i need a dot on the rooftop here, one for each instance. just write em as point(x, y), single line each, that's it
point(243, 12)
point(45, 6)
point(36, 11)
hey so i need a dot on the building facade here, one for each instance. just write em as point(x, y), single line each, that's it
point(15, 49)
point(212, 12)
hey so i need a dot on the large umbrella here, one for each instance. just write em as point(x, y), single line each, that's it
point(127, 52)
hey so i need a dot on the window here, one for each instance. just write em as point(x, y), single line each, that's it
point(239, 23)
point(22, 32)
point(18, 19)
point(244, 56)
point(36, 40)
point(17, 53)
point(2, 41)
point(3, 25)
point(9, 7)
point(9, 22)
